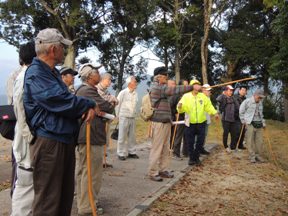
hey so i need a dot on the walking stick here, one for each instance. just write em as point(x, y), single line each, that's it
point(242, 129)
point(88, 151)
point(235, 81)
point(174, 134)
point(105, 147)
point(149, 130)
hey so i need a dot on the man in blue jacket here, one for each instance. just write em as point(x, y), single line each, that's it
point(52, 113)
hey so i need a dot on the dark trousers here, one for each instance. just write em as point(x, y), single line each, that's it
point(229, 127)
point(53, 177)
point(239, 128)
point(178, 140)
point(195, 130)
point(13, 174)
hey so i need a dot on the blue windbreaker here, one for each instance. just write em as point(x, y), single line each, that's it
point(51, 110)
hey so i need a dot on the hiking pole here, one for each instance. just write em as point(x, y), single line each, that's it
point(174, 134)
point(88, 151)
point(234, 81)
point(238, 142)
point(105, 147)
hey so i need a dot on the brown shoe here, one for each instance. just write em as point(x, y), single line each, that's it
point(107, 165)
point(166, 174)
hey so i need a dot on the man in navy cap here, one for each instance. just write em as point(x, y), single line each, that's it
point(68, 76)
point(159, 93)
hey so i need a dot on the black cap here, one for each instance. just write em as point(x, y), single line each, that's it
point(67, 70)
point(160, 71)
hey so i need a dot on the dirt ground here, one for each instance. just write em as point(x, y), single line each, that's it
point(227, 185)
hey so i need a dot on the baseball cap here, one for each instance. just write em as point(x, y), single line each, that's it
point(207, 87)
point(194, 81)
point(229, 87)
point(67, 70)
point(260, 93)
point(86, 68)
point(160, 71)
point(51, 35)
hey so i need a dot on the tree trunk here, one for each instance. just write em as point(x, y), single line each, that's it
point(166, 61)
point(120, 77)
point(177, 42)
point(70, 57)
point(204, 42)
point(177, 64)
point(231, 69)
point(285, 101)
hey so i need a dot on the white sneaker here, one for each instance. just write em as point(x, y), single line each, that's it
point(253, 160)
point(228, 150)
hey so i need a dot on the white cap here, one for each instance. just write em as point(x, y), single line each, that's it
point(229, 87)
point(207, 87)
point(51, 35)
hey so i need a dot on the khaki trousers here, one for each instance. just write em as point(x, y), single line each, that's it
point(126, 133)
point(83, 204)
point(159, 153)
point(23, 195)
point(254, 141)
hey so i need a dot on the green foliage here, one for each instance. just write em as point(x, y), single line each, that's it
point(128, 26)
point(279, 63)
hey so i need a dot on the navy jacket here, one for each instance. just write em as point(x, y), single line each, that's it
point(51, 110)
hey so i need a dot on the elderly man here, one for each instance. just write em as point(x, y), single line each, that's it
point(23, 195)
point(52, 114)
point(240, 97)
point(229, 109)
point(206, 90)
point(68, 76)
point(161, 119)
point(90, 78)
point(102, 88)
point(251, 115)
point(126, 112)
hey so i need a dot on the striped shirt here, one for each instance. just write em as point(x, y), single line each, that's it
point(159, 100)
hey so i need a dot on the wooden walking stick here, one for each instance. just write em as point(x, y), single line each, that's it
point(88, 151)
point(234, 81)
point(242, 129)
point(174, 134)
point(105, 147)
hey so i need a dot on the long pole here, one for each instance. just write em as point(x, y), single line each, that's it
point(234, 81)
point(88, 151)
point(174, 133)
point(238, 142)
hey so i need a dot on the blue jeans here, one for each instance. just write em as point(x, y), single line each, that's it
point(194, 147)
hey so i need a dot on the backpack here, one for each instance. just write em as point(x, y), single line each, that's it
point(146, 110)
point(7, 121)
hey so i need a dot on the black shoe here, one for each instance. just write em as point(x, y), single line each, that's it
point(107, 165)
point(156, 178)
point(242, 147)
point(204, 152)
point(135, 156)
point(194, 162)
point(166, 174)
point(121, 158)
